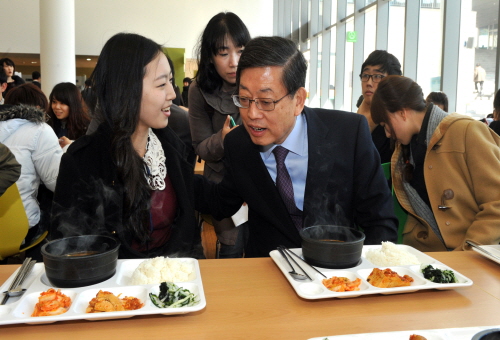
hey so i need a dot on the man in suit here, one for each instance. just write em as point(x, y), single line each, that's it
point(35, 76)
point(331, 161)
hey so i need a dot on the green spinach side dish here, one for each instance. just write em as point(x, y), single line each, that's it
point(439, 276)
point(173, 296)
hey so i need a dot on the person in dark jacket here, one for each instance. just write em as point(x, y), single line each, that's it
point(378, 65)
point(495, 124)
point(332, 165)
point(185, 90)
point(130, 179)
point(10, 69)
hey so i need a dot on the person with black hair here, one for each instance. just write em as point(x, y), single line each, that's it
point(185, 90)
point(439, 99)
point(210, 106)
point(68, 112)
point(444, 169)
point(89, 98)
point(3, 85)
point(10, 70)
point(495, 124)
point(331, 173)
point(130, 178)
point(35, 79)
point(378, 65)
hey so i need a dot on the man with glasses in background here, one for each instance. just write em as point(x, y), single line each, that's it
point(294, 166)
point(378, 65)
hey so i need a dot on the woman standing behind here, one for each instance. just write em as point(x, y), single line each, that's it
point(68, 112)
point(10, 69)
point(211, 106)
point(444, 169)
point(130, 178)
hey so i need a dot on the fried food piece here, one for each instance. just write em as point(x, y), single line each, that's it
point(388, 279)
point(108, 302)
point(51, 302)
point(341, 284)
point(417, 337)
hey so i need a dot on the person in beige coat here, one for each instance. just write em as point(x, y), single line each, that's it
point(444, 169)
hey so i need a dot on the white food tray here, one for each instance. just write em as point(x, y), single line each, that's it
point(465, 333)
point(19, 309)
point(316, 289)
point(493, 250)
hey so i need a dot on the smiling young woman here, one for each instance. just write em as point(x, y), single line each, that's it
point(67, 111)
point(130, 179)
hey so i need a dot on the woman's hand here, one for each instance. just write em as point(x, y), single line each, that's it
point(227, 127)
point(63, 141)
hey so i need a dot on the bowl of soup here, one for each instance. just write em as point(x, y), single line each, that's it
point(330, 246)
point(488, 334)
point(80, 260)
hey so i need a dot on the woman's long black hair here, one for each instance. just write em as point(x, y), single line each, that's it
point(117, 80)
point(219, 28)
point(78, 118)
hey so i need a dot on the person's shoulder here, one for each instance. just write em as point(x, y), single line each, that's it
point(328, 115)
point(18, 80)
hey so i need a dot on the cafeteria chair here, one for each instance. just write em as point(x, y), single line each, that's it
point(14, 224)
point(401, 214)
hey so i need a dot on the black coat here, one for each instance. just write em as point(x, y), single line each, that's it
point(89, 195)
point(345, 185)
point(495, 126)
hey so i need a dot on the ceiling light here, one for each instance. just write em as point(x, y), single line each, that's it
point(89, 59)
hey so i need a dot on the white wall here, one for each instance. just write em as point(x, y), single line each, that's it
point(173, 23)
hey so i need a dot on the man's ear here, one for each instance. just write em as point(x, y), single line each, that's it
point(300, 97)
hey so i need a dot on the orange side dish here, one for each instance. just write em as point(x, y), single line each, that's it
point(108, 302)
point(387, 278)
point(52, 302)
point(341, 284)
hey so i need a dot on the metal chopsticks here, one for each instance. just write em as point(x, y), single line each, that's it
point(291, 252)
point(287, 251)
point(481, 249)
point(15, 286)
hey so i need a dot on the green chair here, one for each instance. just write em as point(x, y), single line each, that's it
point(401, 214)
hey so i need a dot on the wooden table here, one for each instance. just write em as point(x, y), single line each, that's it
point(250, 299)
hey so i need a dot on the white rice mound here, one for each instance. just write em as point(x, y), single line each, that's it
point(162, 269)
point(390, 255)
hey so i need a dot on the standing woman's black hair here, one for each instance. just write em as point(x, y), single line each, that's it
point(78, 119)
point(221, 27)
point(117, 81)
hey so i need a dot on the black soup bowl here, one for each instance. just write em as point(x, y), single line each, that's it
point(80, 260)
point(330, 246)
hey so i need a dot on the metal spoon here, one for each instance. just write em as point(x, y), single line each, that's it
point(293, 273)
point(15, 288)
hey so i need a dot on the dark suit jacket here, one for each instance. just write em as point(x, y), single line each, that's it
point(345, 185)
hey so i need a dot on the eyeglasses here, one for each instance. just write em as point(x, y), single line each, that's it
point(375, 77)
point(265, 104)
